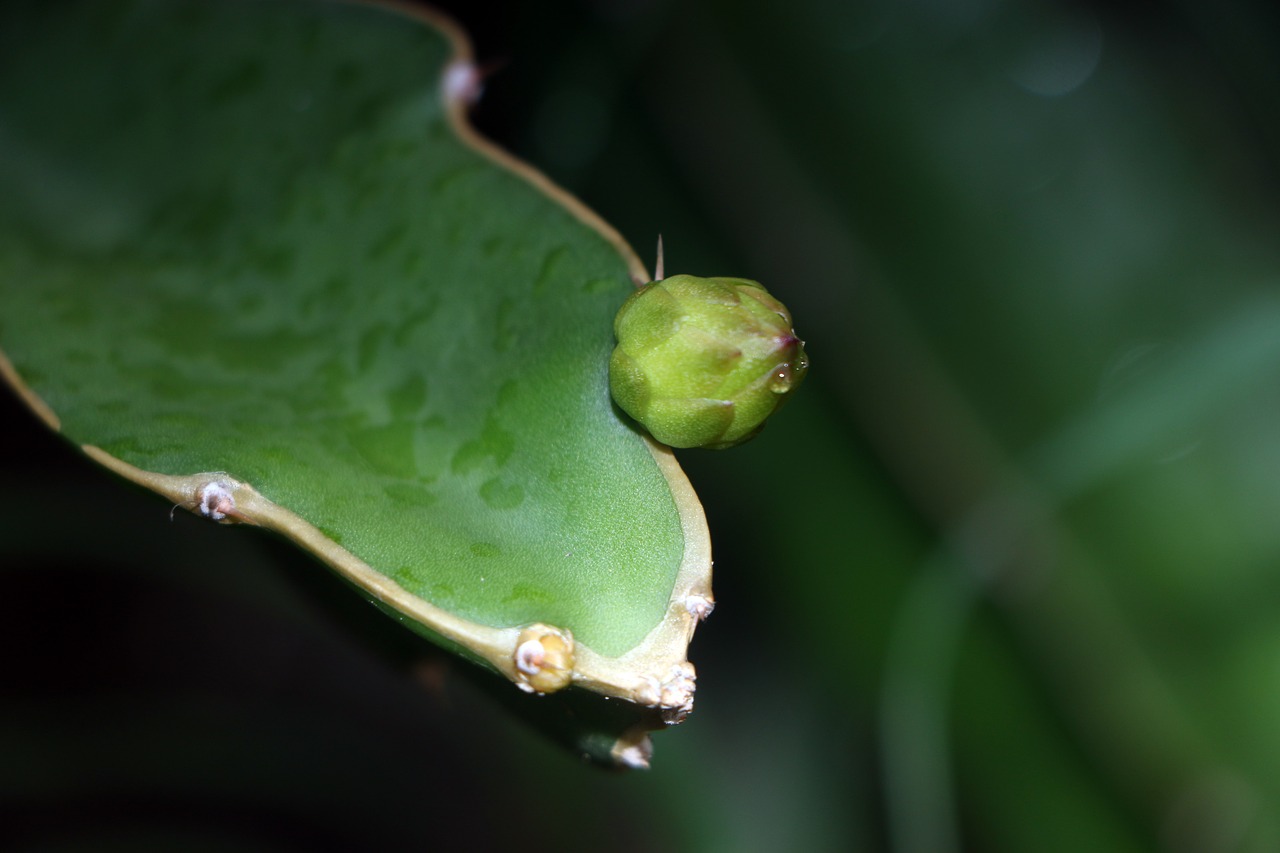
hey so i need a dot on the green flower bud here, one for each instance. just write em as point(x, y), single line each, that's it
point(702, 362)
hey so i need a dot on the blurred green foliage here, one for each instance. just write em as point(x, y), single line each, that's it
point(1004, 576)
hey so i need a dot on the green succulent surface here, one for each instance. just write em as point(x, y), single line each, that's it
point(248, 238)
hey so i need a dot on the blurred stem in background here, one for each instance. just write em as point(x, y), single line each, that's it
point(1032, 249)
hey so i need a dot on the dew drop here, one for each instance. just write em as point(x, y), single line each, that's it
point(780, 381)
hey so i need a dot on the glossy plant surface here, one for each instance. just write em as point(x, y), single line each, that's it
point(251, 257)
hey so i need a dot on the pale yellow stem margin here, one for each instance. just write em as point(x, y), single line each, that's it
point(538, 658)
point(463, 62)
point(40, 407)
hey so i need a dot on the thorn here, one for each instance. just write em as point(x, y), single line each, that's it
point(214, 500)
point(238, 516)
point(530, 656)
point(699, 606)
point(464, 80)
point(462, 83)
point(677, 693)
point(657, 267)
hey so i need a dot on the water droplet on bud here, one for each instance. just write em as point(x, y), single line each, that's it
point(780, 382)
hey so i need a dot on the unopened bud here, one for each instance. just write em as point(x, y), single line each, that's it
point(703, 362)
